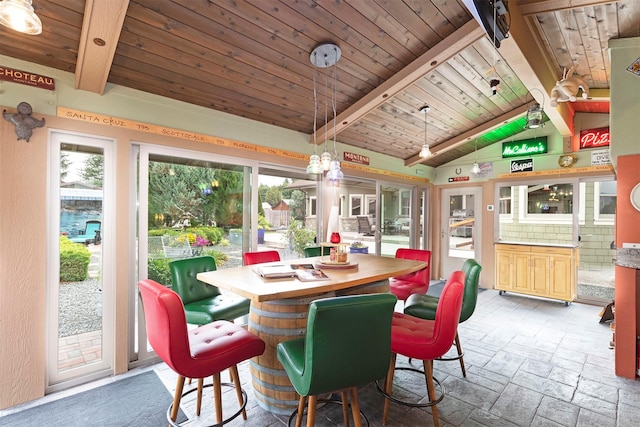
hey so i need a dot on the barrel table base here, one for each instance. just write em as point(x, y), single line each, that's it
point(282, 320)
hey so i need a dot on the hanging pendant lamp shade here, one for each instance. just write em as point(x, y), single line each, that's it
point(534, 116)
point(475, 168)
point(425, 151)
point(535, 113)
point(20, 16)
point(326, 56)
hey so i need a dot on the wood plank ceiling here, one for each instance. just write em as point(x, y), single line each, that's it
point(251, 58)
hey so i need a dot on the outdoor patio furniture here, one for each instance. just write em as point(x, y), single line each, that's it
point(91, 233)
point(176, 246)
point(364, 226)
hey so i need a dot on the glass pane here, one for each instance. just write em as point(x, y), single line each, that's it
point(461, 226)
point(396, 225)
point(537, 213)
point(550, 199)
point(195, 208)
point(506, 195)
point(596, 269)
point(80, 321)
point(289, 214)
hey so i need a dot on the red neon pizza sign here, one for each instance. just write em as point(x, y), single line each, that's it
point(594, 138)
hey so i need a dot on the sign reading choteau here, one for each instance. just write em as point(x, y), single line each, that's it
point(26, 78)
point(356, 158)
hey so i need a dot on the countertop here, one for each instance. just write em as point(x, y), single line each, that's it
point(551, 245)
point(628, 257)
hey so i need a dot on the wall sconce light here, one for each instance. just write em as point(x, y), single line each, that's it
point(475, 169)
point(425, 151)
point(23, 121)
point(535, 113)
point(20, 16)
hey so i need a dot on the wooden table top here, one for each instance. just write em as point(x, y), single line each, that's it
point(244, 281)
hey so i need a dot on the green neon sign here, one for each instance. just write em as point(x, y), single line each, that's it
point(525, 147)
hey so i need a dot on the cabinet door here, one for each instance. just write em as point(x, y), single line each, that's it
point(521, 274)
point(560, 277)
point(540, 275)
point(504, 271)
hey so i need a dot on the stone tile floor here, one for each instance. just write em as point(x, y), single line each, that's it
point(530, 362)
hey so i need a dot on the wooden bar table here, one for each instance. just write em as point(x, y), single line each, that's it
point(279, 310)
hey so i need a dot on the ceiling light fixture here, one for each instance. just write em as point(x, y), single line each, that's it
point(475, 169)
point(325, 56)
point(535, 112)
point(20, 16)
point(314, 167)
point(425, 151)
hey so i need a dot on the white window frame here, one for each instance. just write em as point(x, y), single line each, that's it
point(353, 197)
point(598, 218)
point(404, 211)
point(313, 206)
point(367, 202)
point(508, 217)
point(526, 218)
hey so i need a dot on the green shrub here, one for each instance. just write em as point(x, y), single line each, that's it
point(299, 237)
point(159, 271)
point(220, 257)
point(74, 261)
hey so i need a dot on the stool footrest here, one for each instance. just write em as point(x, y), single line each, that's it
point(231, 418)
point(411, 404)
point(335, 401)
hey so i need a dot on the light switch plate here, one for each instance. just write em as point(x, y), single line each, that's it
point(631, 245)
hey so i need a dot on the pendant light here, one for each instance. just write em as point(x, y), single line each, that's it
point(475, 169)
point(20, 16)
point(325, 56)
point(314, 166)
point(535, 113)
point(425, 151)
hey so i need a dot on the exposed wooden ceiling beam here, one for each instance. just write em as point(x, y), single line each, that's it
point(522, 52)
point(101, 28)
point(533, 7)
point(469, 135)
point(440, 53)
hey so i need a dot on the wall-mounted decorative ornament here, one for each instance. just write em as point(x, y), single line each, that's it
point(635, 67)
point(567, 160)
point(23, 121)
point(567, 89)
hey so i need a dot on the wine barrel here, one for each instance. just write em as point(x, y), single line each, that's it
point(282, 320)
point(276, 321)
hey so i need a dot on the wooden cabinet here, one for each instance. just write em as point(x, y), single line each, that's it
point(543, 271)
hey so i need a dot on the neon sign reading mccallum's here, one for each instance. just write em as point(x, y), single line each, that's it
point(26, 78)
point(526, 147)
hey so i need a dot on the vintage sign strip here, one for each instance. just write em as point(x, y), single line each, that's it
point(223, 142)
point(26, 78)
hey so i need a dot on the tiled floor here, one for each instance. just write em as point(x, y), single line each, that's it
point(530, 362)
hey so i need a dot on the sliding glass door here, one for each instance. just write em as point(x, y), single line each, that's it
point(189, 204)
point(80, 264)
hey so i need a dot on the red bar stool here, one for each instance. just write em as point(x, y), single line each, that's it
point(425, 306)
point(425, 340)
point(198, 353)
point(412, 283)
point(259, 257)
